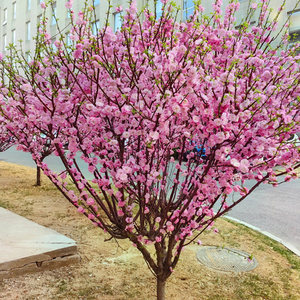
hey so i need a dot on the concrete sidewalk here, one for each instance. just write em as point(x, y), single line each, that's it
point(27, 247)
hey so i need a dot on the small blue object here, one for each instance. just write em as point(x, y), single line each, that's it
point(200, 150)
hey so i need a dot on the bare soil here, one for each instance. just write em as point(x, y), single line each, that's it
point(116, 271)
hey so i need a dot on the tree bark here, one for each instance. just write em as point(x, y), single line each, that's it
point(160, 288)
point(38, 176)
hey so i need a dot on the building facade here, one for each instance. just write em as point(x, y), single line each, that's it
point(19, 18)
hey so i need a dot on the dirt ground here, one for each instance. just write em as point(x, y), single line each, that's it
point(116, 271)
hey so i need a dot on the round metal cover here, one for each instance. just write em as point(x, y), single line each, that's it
point(226, 259)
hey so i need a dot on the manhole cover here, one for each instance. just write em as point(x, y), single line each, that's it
point(226, 259)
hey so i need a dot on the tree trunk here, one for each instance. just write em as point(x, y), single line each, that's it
point(160, 288)
point(38, 176)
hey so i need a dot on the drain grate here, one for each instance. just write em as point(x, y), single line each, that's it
point(226, 259)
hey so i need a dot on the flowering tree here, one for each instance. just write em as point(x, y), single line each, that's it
point(127, 101)
point(16, 131)
point(16, 127)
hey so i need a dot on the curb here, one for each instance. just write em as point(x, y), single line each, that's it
point(268, 234)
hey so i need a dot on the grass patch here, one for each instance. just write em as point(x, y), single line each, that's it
point(5, 204)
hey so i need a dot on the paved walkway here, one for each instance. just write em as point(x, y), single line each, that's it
point(27, 247)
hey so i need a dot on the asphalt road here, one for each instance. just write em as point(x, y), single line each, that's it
point(274, 210)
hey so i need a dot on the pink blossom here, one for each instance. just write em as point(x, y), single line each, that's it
point(170, 226)
point(43, 5)
point(129, 227)
point(220, 137)
point(288, 178)
point(69, 4)
point(26, 87)
point(120, 213)
point(254, 5)
point(244, 191)
point(91, 216)
point(127, 169)
point(121, 203)
point(121, 175)
point(158, 239)
point(57, 44)
point(154, 135)
point(266, 75)
point(129, 220)
point(235, 162)
point(196, 119)
point(119, 8)
point(176, 108)
point(126, 135)
point(77, 53)
point(236, 188)
point(90, 201)
point(91, 168)
point(244, 165)
point(80, 209)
